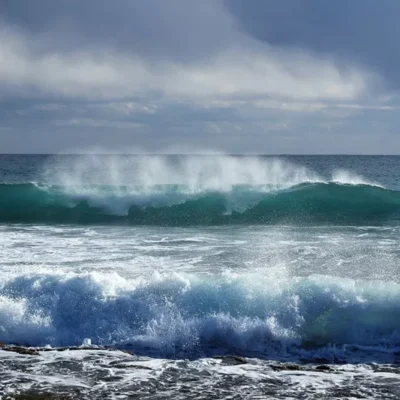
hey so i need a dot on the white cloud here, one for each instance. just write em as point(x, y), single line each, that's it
point(127, 108)
point(244, 70)
point(98, 123)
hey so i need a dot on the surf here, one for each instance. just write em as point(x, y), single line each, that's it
point(175, 205)
point(188, 315)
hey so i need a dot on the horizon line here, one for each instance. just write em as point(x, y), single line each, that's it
point(205, 154)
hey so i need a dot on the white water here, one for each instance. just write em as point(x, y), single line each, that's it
point(178, 314)
point(117, 182)
point(184, 293)
point(315, 294)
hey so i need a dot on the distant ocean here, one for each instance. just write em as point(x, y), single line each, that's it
point(208, 276)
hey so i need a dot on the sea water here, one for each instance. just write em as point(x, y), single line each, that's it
point(201, 275)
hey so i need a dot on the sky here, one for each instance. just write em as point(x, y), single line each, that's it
point(173, 76)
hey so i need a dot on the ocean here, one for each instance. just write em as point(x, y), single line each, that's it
point(199, 276)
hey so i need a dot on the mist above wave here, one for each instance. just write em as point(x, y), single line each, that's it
point(197, 173)
point(194, 173)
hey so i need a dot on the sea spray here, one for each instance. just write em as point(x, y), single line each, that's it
point(177, 315)
point(197, 174)
point(171, 205)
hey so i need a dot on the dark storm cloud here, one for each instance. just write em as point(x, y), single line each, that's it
point(124, 48)
point(362, 31)
point(180, 29)
point(294, 76)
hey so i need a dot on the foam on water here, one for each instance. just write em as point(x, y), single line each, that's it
point(241, 289)
point(61, 373)
point(187, 315)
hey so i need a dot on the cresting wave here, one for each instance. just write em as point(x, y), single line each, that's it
point(175, 205)
point(191, 316)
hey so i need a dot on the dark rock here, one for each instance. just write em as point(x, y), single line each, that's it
point(33, 395)
point(286, 367)
point(323, 368)
point(20, 350)
point(232, 360)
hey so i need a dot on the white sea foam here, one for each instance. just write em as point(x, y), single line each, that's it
point(118, 375)
point(175, 314)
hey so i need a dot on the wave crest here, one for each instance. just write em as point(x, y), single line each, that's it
point(169, 205)
point(191, 315)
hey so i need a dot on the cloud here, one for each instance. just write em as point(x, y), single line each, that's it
point(243, 76)
point(359, 32)
point(247, 69)
point(98, 123)
point(157, 29)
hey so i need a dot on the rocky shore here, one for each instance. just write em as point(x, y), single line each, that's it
point(101, 373)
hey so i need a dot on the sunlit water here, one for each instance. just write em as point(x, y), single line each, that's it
point(183, 260)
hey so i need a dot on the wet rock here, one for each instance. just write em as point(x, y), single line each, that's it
point(232, 360)
point(286, 367)
point(32, 395)
point(392, 369)
point(127, 366)
point(323, 368)
point(20, 350)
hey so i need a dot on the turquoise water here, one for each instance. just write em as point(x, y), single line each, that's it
point(191, 256)
point(202, 190)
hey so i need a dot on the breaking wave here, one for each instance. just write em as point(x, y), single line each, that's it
point(188, 316)
point(175, 205)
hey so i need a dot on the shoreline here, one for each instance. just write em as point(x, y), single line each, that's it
point(28, 373)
